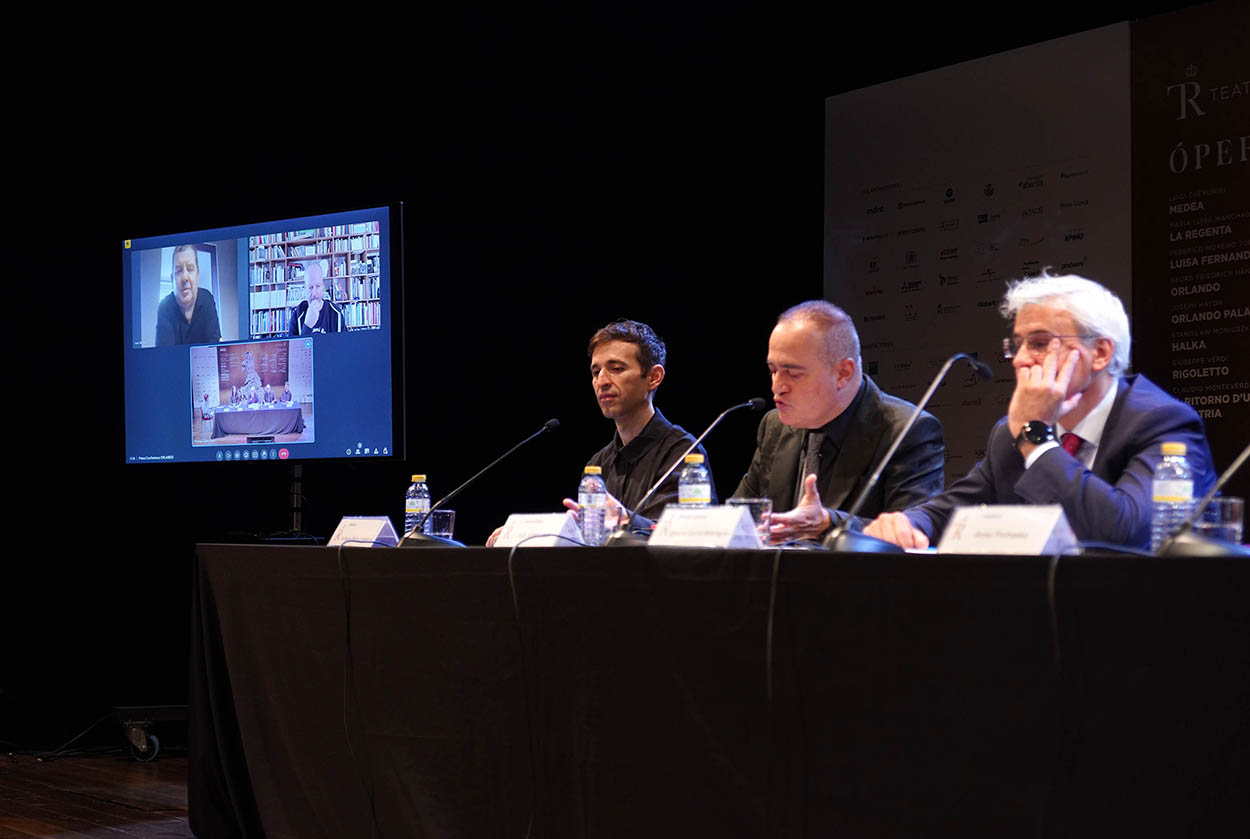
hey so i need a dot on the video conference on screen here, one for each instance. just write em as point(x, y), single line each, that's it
point(319, 280)
point(253, 391)
point(312, 281)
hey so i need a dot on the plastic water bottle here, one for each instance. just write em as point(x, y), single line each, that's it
point(592, 502)
point(1172, 489)
point(694, 486)
point(416, 503)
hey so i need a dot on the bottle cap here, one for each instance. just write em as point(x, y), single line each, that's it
point(1174, 448)
point(594, 470)
point(418, 479)
point(694, 458)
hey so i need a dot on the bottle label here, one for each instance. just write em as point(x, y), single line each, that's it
point(1173, 492)
point(694, 494)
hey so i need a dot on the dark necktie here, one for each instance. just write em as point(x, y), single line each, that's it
point(815, 439)
point(1070, 442)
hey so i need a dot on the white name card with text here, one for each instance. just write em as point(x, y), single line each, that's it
point(364, 532)
point(706, 527)
point(539, 530)
point(1019, 529)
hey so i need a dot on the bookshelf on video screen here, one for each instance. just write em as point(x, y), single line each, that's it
point(265, 341)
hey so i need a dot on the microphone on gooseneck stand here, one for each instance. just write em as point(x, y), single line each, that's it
point(844, 540)
point(1185, 542)
point(416, 539)
point(623, 536)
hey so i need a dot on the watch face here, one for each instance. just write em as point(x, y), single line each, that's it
point(1038, 432)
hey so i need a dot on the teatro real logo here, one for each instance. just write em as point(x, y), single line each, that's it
point(1190, 96)
point(1187, 94)
point(910, 313)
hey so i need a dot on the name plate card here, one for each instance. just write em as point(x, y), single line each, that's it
point(1019, 529)
point(706, 527)
point(364, 532)
point(540, 530)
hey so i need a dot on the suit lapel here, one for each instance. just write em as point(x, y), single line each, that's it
point(784, 473)
point(859, 448)
point(1106, 443)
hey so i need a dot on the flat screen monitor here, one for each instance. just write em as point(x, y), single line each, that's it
point(277, 340)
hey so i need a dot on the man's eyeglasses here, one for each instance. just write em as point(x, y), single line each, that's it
point(1038, 343)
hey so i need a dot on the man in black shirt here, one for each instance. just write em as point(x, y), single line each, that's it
point(317, 313)
point(816, 451)
point(626, 367)
point(188, 314)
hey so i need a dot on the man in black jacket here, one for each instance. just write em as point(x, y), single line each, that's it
point(188, 314)
point(831, 426)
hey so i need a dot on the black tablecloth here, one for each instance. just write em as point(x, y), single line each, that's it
point(646, 692)
point(256, 422)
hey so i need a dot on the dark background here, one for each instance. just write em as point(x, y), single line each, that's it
point(560, 168)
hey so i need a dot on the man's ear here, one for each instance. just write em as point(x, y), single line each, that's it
point(844, 372)
point(654, 376)
point(1104, 351)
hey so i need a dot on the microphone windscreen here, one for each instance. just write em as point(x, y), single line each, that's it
point(757, 404)
point(551, 424)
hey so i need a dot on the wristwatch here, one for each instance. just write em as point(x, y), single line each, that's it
point(1035, 432)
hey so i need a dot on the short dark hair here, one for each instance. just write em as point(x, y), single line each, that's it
point(647, 344)
point(173, 260)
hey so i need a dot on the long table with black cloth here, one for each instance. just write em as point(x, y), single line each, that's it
point(654, 692)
